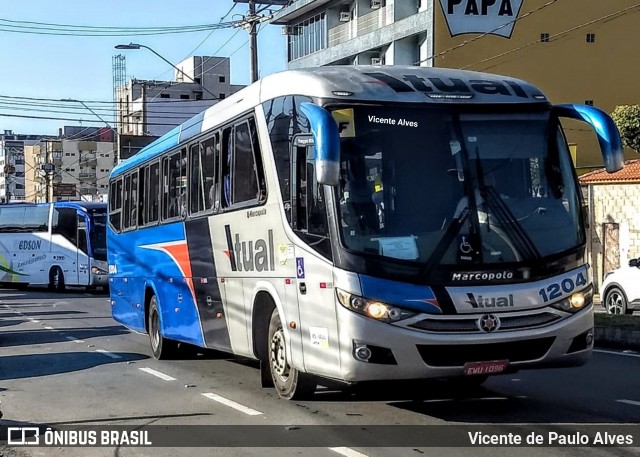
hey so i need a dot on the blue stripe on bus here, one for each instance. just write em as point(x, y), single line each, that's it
point(409, 296)
point(144, 260)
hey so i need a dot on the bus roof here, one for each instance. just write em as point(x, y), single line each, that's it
point(396, 84)
point(85, 206)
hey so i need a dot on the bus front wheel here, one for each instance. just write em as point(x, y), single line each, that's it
point(56, 279)
point(290, 383)
point(161, 347)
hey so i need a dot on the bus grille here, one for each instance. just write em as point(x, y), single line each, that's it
point(457, 355)
point(471, 324)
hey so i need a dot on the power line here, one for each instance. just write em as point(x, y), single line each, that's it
point(43, 28)
point(91, 121)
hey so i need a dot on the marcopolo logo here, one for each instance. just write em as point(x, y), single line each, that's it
point(482, 276)
point(496, 17)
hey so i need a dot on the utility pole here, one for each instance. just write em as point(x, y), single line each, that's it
point(253, 41)
point(250, 22)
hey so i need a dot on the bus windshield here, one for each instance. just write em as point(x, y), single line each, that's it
point(98, 234)
point(449, 186)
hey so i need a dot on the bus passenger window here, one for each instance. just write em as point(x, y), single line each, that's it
point(245, 178)
point(115, 204)
point(153, 198)
point(226, 167)
point(134, 200)
point(208, 172)
point(126, 219)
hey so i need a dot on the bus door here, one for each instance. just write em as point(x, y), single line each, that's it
point(82, 259)
point(314, 275)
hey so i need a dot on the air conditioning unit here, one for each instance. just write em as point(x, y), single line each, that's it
point(345, 16)
point(376, 4)
point(290, 30)
point(376, 61)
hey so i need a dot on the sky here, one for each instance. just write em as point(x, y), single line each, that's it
point(37, 66)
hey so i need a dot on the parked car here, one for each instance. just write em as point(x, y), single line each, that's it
point(620, 290)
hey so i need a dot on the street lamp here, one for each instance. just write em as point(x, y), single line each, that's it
point(138, 46)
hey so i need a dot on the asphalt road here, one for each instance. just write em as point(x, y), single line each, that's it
point(64, 362)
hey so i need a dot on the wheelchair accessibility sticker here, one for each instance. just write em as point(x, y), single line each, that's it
point(299, 268)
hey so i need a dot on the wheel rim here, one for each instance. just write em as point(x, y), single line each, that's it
point(615, 303)
point(56, 278)
point(154, 331)
point(278, 355)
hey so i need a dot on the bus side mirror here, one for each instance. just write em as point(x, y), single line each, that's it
point(605, 128)
point(327, 143)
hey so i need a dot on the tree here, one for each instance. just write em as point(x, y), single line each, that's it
point(627, 118)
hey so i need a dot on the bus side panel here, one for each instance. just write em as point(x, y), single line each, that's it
point(25, 258)
point(119, 256)
point(159, 255)
point(205, 283)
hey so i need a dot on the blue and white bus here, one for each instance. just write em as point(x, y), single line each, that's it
point(362, 223)
point(53, 244)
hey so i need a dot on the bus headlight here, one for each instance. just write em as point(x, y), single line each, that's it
point(575, 302)
point(372, 308)
point(98, 271)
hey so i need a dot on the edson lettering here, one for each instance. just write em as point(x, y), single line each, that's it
point(29, 245)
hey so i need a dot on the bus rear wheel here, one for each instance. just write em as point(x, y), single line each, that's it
point(56, 279)
point(161, 347)
point(290, 383)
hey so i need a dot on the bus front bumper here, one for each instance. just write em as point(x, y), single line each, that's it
point(400, 353)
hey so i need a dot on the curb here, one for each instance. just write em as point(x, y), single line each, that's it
point(619, 338)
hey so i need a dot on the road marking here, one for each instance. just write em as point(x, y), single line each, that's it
point(617, 353)
point(34, 321)
point(347, 452)
point(75, 340)
point(629, 402)
point(232, 404)
point(157, 374)
point(108, 354)
point(49, 328)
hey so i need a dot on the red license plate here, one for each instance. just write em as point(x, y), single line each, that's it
point(485, 368)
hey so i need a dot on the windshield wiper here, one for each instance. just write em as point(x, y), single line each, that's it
point(445, 241)
point(507, 220)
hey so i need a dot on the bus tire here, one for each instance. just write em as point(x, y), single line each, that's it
point(56, 279)
point(290, 383)
point(162, 348)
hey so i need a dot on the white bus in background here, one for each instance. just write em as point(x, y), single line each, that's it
point(53, 244)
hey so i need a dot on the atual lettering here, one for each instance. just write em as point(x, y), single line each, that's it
point(252, 255)
point(490, 302)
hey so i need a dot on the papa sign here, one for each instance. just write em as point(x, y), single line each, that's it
point(496, 17)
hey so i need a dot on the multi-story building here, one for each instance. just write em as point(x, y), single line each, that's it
point(575, 51)
point(75, 166)
point(152, 108)
point(12, 165)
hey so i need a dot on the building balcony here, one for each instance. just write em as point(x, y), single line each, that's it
point(88, 160)
point(87, 175)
